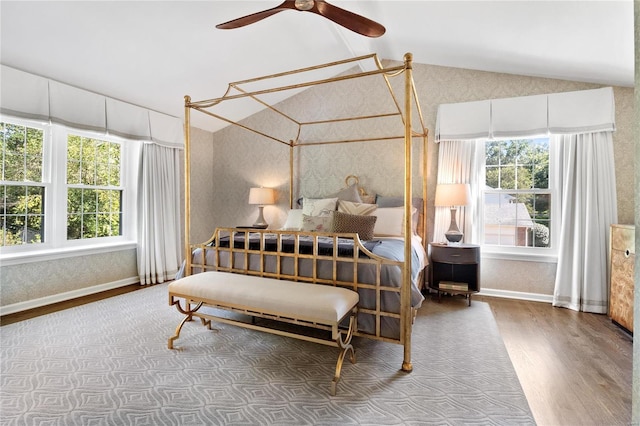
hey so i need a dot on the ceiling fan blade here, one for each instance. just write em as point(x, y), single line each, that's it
point(255, 17)
point(349, 20)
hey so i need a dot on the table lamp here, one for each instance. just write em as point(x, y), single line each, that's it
point(261, 197)
point(453, 195)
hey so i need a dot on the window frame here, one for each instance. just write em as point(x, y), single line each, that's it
point(544, 254)
point(54, 176)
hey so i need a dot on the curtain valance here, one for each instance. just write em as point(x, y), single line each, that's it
point(557, 113)
point(30, 96)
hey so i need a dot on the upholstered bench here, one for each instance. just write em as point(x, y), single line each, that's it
point(312, 305)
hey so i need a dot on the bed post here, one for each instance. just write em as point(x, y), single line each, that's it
point(291, 153)
point(405, 293)
point(187, 185)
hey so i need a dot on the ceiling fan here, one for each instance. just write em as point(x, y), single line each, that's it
point(349, 20)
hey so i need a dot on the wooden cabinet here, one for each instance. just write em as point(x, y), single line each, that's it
point(455, 269)
point(622, 258)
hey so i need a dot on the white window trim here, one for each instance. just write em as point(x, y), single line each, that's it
point(56, 245)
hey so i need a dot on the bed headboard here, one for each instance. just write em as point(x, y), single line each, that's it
point(370, 197)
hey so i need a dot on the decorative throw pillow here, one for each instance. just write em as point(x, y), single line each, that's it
point(318, 206)
point(354, 223)
point(356, 208)
point(350, 193)
point(294, 220)
point(317, 223)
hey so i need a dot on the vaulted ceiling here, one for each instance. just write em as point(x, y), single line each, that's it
point(153, 53)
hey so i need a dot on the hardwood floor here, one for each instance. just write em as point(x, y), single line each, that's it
point(55, 307)
point(575, 368)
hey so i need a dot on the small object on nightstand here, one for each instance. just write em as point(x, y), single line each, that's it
point(264, 226)
point(455, 269)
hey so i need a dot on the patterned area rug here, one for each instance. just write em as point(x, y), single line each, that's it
point(107, 363)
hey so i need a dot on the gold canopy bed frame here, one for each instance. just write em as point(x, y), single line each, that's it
point(404, 110)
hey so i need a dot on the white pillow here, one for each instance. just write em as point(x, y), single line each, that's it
point(356, 208)
point(318, 206)
point(390, 221)
point(294, 220)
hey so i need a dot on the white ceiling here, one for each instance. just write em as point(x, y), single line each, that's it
point(153, 53)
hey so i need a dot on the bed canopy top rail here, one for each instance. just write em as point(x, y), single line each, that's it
point(402, 109)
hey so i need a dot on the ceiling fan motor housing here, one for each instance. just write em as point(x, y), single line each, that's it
point(304, 4)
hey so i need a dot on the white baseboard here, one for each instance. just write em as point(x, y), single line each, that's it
point(519, 295)
point(61, 297)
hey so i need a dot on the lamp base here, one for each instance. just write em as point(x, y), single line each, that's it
point(453, 234)
point(453, 238)
point(260, 223)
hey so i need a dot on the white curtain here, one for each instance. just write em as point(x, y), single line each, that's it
point(159, 236)
point(457, 164)
point(589, 207)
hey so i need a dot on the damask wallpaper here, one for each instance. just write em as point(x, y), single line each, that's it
point(30, 281)
point(227, 164)
point(241, 159)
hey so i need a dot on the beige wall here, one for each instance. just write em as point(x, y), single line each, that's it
point(240, 159)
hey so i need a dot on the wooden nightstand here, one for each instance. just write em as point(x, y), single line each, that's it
point(455, 269)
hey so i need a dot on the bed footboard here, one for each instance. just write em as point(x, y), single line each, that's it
point(312, 257)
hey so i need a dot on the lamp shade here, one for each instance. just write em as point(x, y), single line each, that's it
point(453, 194)
point(261, 196)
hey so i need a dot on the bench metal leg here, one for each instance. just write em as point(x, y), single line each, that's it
point(188, 317)
point(346, 347)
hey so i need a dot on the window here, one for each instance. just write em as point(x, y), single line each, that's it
point(94, 193)
point(23, 188)
point(517, 194)
point(65, 188)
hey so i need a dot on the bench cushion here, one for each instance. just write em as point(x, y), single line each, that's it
point(323, 304)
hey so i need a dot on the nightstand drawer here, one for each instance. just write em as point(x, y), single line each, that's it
point(455, 254)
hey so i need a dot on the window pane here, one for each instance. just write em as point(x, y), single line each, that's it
point(16, 199)
point(13, 230)
point(89, 225)
point(13, 167)
point(524, 178)
point(34, 168)
point(493, 153)
point(541, 175)
point(35, 197)
point(15, 137)
point(74, 226)
point(73, 172)
point(114, 164)
point(115, 198)
point(74, 200)
point(34, 141)
point(507, 177)
point(35, 229)
point(104, 225)
point(89, 201)
point(88, 161)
